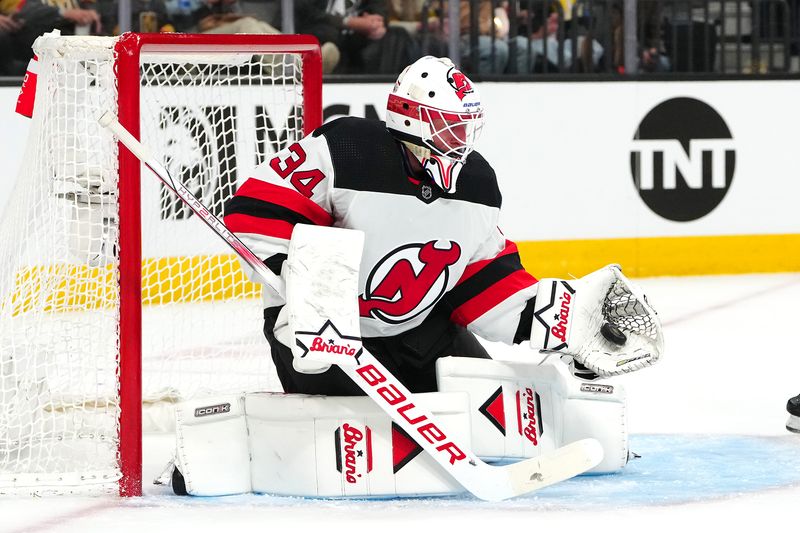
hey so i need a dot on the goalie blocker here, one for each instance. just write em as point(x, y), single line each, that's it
point(323, 446)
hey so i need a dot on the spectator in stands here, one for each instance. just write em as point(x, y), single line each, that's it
point(491, 57)
point(214, 16)
point(652, 50)
point(652, 55)
point(9, 64)
point(147, 16)
point(542, 46)
point(360, 32)
point(228, 17)
point(22, 22)
point(425, 30)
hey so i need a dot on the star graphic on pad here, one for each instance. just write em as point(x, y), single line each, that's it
point(330, 336)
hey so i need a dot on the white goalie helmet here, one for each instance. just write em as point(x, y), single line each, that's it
point(436, 110)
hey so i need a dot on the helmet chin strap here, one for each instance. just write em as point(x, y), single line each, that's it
point(442, 170)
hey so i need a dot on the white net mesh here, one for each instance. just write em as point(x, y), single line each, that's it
point(210, 118)
point(628, 312)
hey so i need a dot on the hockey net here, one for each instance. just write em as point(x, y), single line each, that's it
point(88, 317)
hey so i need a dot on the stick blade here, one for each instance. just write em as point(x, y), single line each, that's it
point(559, 465)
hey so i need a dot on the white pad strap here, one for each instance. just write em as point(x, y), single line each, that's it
point(602, 320)
point(213, 452)
point(521, 410)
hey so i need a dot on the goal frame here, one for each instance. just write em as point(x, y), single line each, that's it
point(128, 50)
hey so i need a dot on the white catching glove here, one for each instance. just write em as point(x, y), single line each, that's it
point(602, 321)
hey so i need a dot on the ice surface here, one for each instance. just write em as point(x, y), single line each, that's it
point(708, 421)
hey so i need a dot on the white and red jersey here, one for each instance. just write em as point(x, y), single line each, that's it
point(423, 247)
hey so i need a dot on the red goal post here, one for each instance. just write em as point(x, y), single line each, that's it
point(128, 51)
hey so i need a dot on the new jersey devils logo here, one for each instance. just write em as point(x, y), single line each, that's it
point(407, 281)
point(459, 82)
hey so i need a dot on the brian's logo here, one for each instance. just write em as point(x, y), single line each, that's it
point(459, 82)
point(353, 452)
point(528, 422)
point(331, 346)
point(328, 342)
point(559, 331)
point(407, 281)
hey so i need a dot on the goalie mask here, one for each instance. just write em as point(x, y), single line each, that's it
point(437, 112)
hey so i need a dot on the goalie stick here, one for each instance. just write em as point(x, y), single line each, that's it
point(487, 482)
point(108, 120)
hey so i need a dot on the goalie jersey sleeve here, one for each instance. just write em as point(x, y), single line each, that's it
point(292, 187)
point(494, 296)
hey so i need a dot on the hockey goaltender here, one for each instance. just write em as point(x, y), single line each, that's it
point(434, 271)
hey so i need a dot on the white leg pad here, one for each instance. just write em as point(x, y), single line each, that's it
point(598, 411)
point(328, 446)
point(521, 410)
point(212, 446)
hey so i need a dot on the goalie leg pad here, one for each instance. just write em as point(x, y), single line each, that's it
point(521, 410)
point(212, 447)
point(312, 446)
point(335, 446)
point(600, 411)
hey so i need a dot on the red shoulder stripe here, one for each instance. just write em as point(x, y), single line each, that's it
point(511, 248)
point(239, 223)
point(286, 197)
point(481, 303)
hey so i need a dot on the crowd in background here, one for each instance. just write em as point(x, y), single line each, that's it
point(496, 37)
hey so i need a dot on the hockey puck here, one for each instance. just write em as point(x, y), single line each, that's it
point(613, 334)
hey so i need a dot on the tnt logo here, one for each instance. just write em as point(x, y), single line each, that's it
point(682, 159)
